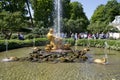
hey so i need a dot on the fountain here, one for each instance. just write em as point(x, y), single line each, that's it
point(6, 44)
point(56, 50)
point(105, 51)
point(103, 60)
point(57, 17)
point(34, 42)
point(8, 59)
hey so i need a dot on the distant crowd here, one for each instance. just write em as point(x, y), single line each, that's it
point(85, 35)
point(76, 36)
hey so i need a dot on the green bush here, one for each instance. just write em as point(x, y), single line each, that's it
point(69, 41)
point(29, 36)
point(1, 36)
point(14, 37)
point(13, 44)
point(99, 43)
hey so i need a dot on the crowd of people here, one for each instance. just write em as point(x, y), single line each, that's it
point(85, 35)
point(77, 35)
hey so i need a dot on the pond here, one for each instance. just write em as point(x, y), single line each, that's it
point(60, 71)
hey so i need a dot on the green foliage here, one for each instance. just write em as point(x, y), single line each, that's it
point(13, 6)
point(66, 8)
point(43, 11)
point(69, 41)
point(12, 16)
point(100, 43)
point(111, 10)
point(75, 26)
point(103, 15)
point(14, 37)
point(40, 31)
point(11, 21)
point(106, 12)
point(98, 27)
point(74, 18)
point(13, 44)
point(29, 36)
point(98, 14)
point(76, 10)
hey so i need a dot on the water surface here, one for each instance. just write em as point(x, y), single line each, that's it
point(60, 71)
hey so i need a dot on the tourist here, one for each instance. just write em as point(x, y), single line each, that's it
point(73, 36)
point(79, 36)
point(20, 36)
point(76, 36)
point(89, 36)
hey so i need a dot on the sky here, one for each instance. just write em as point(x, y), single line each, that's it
point(89, 6)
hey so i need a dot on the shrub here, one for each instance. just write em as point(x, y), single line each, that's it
point(29, 36)
point(99, 43)
point(14, 37)
point(69, 41)
point(12, 44)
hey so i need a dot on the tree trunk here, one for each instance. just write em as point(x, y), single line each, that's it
point(7, 34)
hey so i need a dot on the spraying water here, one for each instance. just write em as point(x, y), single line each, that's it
point(34, 42)
point(6, 44)
point(105, 50)
point(76, 45)
point(57, 17)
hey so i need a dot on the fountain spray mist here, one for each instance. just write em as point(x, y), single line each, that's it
point(6, 44)
point(57, 17)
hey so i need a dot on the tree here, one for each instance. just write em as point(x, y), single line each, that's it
point(111, 10)
point(13, 6)
point(106, 13)
point(43, 11)
point(77, 11)
point(98, 14)
point(74, 26)
point(103, 15)
point(66, 8)
point(10, 22)
point(78, 21)
point(99, 26)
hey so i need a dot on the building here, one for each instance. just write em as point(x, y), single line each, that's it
point(116, 22)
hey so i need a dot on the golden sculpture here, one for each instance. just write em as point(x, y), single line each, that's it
point(100, 61)
point(55, 42)
point(51, 37)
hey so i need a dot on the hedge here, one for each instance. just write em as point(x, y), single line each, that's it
point(99, 43)
point(13, 44)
